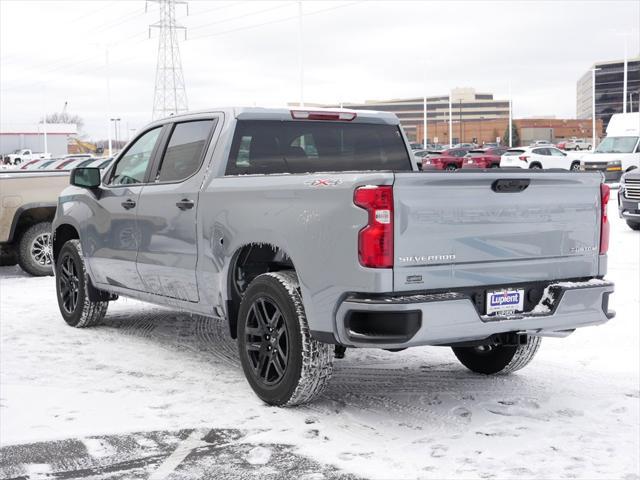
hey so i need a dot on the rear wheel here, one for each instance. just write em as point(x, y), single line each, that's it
point(633, 225)
point(451, 167)
point(282, 363)
point(575, 166)
point(73, 289)
point(491, 359)
point(495, 165)
point(535, 166)
point(34, 250)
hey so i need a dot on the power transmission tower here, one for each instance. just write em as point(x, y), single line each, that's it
point(170, 96)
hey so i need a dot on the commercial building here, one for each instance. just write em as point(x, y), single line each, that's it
point(18, 136)
point(609, 89)
point(492, 130)
point(467, 105)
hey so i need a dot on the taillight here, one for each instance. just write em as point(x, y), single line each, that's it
point(375, 241)
point(524, 158)
point(605, 193)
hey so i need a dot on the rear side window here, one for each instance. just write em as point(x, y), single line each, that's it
point(263, 147)
point(185, 150)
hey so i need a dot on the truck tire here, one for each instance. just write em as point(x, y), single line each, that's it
point(575, 167)
point(535, 166)
point(633, 225)
point(34, 250)
point(502, 359)
point(282, 363)
point(73, 289)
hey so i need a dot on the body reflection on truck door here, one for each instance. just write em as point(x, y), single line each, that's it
point(112, 233)
point(167, 208)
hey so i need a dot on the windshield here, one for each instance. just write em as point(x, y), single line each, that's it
point(617, 145)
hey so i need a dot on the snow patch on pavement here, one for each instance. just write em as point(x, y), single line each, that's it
point(573, 412)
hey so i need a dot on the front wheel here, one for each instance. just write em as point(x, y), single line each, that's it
point(73, 289)
point(575, 166)
point(282, 363)
point(490, 359)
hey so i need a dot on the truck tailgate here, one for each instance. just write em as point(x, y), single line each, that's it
point(465, 229)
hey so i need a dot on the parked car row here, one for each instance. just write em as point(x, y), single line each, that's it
point(67, 163)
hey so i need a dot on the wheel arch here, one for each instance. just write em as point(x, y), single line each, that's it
point(247, 262)
point(61, 235)
point(28, 215)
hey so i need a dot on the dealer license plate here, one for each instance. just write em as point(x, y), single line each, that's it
point(505, 302)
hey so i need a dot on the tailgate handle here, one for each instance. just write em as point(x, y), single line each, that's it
point(511, 185)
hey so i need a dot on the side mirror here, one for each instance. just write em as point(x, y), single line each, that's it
point(85, 177)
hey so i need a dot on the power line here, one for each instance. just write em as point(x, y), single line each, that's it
point(271, 22)
point(230, 19)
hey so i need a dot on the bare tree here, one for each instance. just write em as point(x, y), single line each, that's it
point(64, 117)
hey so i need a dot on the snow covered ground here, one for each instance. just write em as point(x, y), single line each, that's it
point(158, 394)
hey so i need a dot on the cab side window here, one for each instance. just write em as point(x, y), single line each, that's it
point(132, 166)
point(185, 150)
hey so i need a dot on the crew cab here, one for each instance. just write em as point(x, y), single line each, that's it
point(23, 155)
point(450, 159)
point(484, 157)
point(309, 231)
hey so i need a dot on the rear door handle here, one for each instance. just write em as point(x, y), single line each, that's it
point(128, 204)
point(185, 204)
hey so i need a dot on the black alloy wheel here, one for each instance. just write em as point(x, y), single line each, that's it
point(69, 284)
point(266, 341)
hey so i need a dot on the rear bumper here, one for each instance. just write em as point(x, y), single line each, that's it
point(449, 318)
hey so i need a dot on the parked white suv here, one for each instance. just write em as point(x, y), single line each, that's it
point(538, 157)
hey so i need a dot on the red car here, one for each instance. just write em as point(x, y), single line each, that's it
point(484, 158)
point(450, 159)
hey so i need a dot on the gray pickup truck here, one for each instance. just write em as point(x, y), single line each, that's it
point(311, 231)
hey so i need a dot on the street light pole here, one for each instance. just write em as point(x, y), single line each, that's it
point(510, 119)
point(450, 123)
point(115, 128)
point(108, 97)
point(300, 54)
point(624, 79)
point(593, 106)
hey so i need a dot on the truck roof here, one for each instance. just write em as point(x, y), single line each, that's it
point(624, 125)
point(285, 113)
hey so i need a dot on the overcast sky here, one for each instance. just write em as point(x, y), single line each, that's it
point(246, 52)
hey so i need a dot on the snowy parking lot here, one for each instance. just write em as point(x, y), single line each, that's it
point(155, 394)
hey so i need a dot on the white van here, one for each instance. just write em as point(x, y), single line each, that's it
point(621, 147)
